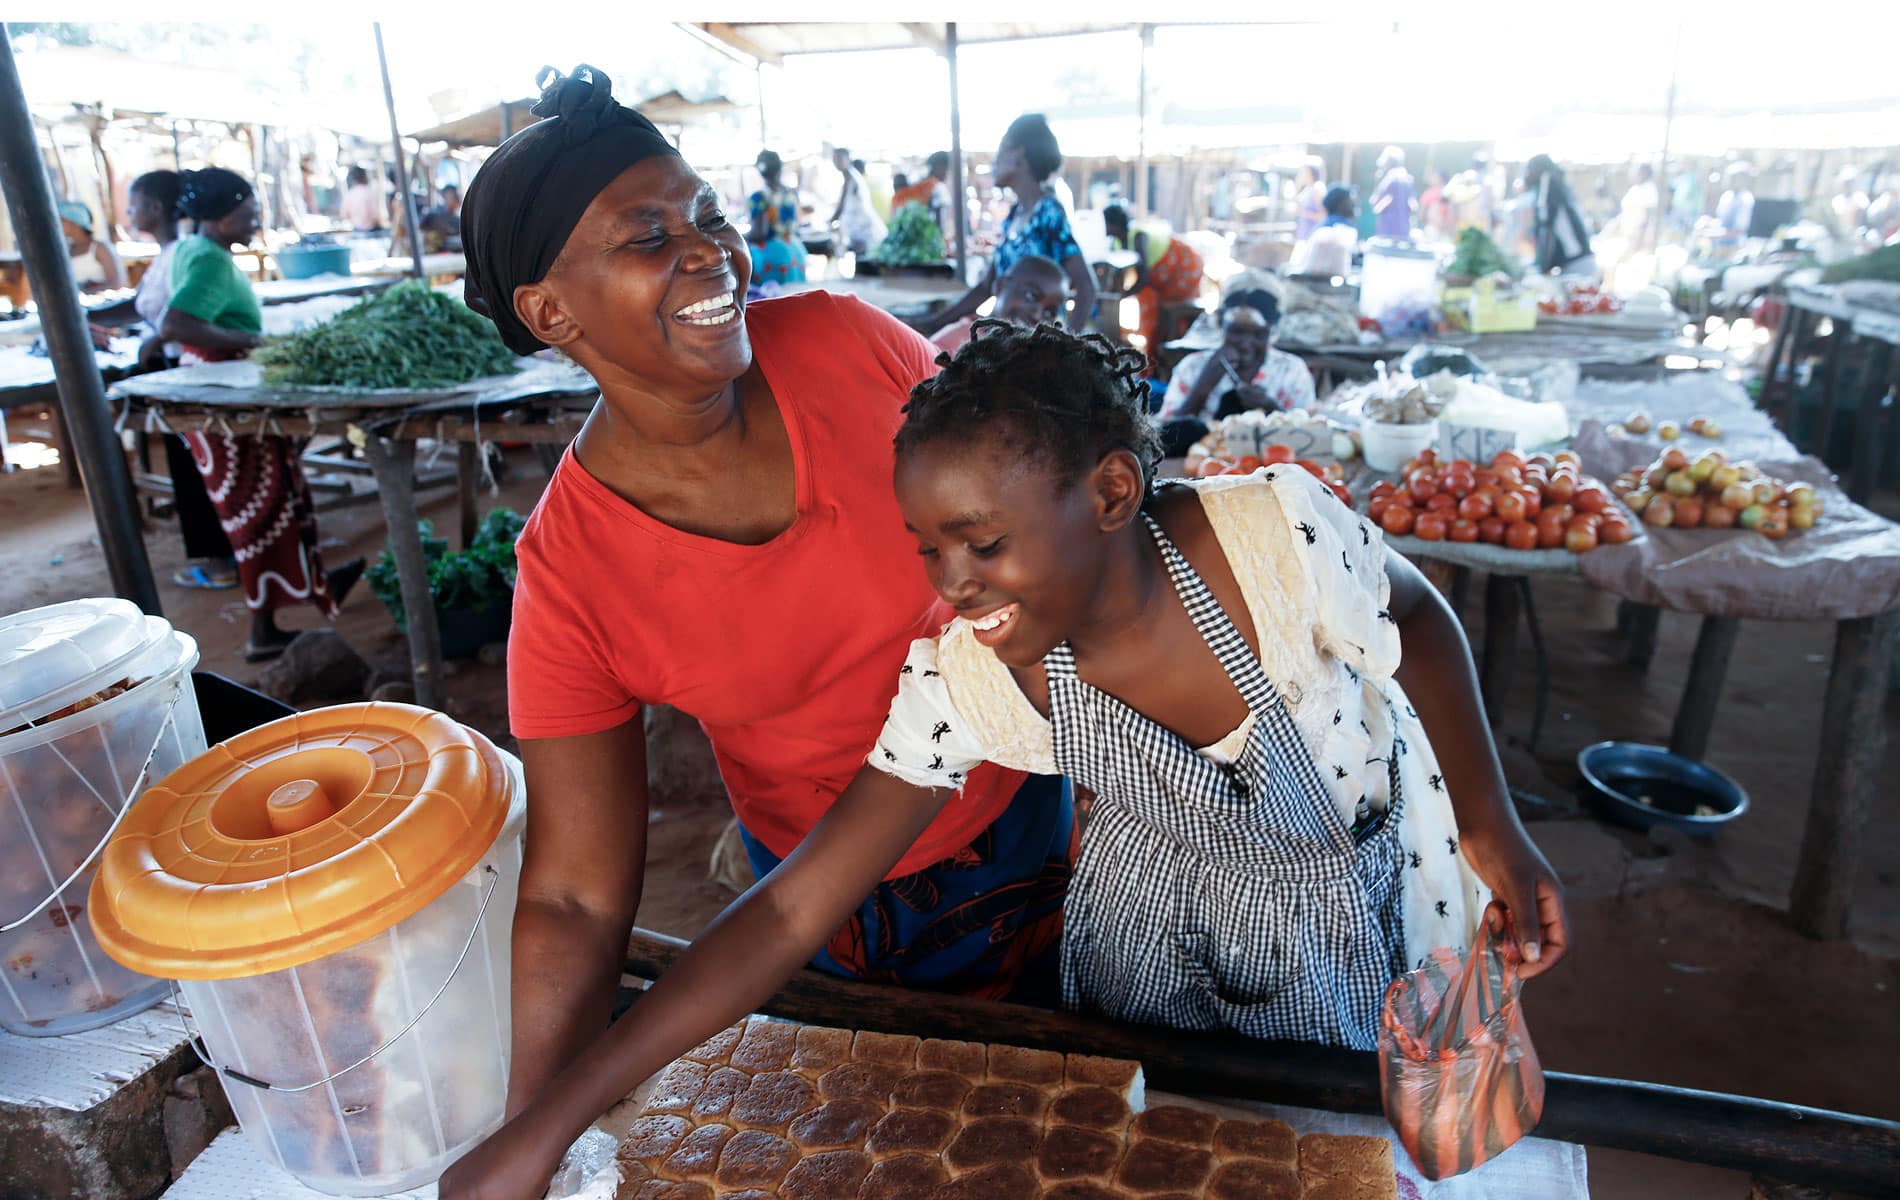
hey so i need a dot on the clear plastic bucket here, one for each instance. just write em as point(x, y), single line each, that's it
point(69, 765)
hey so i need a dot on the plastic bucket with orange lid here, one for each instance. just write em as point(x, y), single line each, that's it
point(334, 892)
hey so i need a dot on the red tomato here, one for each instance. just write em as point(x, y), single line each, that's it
point(1520, 535)
point(1246, 464)
point(1345, 496)
point(1541, 460)
point(1590, 498)
point(1375, 508)
point(1459, 483)
point(1569, 457)
point(1491, 530)
point(1478, 505)
point(1507, 458)
point(1615, 531)
point(1590, 521)
point(1564, 512)
point(1215, 466)
point(1397, 520)
point(1442, 502)
point(1278, 454)
point(1487, 478)
point(1427, 457)
point(1463, 530)
point(1550, 530)
point(1577, 541)
point(1431, 526)
point(1314, 469)
point(1562, 486)
point(1510, 478)
point(1533, 502)
point(1385, 487)
point(1512, 506)
point(1423, 485)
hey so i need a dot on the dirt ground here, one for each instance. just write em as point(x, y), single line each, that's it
point(1684, 970)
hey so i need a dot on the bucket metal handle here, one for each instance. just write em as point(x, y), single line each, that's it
point(203, 1051)
point(125, 807)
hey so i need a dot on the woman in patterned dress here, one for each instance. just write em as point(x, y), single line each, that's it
point(778, 256)
point(1167, 269)
point(1026, 159)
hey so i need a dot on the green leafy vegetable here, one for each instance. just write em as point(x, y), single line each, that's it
point(912, 239)
point(472, 579)
point(407, 336)
point(1883, 263)
point(1477, 256)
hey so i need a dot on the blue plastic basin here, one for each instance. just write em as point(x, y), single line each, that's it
point(301, 262)
point(1619, 776)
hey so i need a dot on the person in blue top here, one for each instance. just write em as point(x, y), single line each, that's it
point(1026, 159)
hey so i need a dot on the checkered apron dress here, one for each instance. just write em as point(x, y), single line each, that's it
point(1221, 897)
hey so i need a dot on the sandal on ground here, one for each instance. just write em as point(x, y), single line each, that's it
point(194, 575)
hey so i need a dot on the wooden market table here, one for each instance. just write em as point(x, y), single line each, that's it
point(1606, 352)
point(888, 292)
point(1859, 328)
point(545, 403)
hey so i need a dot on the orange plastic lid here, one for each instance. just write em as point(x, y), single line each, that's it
point(297, 839)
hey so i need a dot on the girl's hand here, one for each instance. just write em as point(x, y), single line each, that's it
point(515, 1163)
point(1522, 882)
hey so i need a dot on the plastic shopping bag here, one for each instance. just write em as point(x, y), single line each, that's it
point(1457, 1071)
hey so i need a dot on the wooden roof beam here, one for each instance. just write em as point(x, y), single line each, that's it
point(731, 36)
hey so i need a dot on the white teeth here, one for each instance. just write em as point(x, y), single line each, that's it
point(706, 306)
point(994, 620)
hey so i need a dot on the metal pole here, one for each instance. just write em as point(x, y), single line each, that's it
point(178, 159)
point(956, 159)
point(758, 81)
point(402, 171)
point(1663, 190)
point(82, 394)
point(1141, 125)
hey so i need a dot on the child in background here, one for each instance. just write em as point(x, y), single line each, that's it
point(1035, 292)
point(1278, 833)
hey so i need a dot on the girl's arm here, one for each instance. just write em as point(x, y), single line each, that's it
point(1082, 287)
point(178, 325)
point(1436, 672)
point(1139, 244)
point(966, 305)
point(731, 968)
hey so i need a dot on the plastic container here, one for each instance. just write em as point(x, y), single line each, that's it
point(1396, 277)
point(69, 762)
point(1387, 446)
point(334, 891)
point(1641, 787)
point(303, 262)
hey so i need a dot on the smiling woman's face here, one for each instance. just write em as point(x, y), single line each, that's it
point(652, 281)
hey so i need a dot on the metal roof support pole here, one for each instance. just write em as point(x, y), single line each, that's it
point(82, 395)
point(410, 216)
point(957, 202)
point(1141, 125)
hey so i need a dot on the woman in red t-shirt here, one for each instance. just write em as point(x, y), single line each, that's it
point(723, 537)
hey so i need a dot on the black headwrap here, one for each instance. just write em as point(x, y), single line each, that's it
point(531, 192)
point(212, 193)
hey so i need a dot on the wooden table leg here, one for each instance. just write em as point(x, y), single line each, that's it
point(1860, 484)
point(1500, 642)
point(394, 463)
point(1460, 591)
point(468, 474)
point(1830, 379)
point(1784, 334)
point(1702, 694)
point(1846, 777)
point(1643, 620)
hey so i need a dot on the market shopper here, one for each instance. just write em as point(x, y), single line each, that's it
point(1026, 159)
point(1167, 269)
point(721, 537)
point(855, 217)
point(1395, 202)
point(1735, 210)
point(1561, 237)
point(1328, 251)
point(1310, 202)
point(96, 266)
point(361, 209)
point(778, 253)
point(255, 481)
point(1035, 292)
point(1243, 374)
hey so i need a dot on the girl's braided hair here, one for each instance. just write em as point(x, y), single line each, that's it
point(1063, 400)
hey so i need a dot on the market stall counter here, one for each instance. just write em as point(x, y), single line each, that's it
point(544, 403)
point(1864, 317)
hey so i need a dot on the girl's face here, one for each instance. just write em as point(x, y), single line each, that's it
point(1003, 545)
point(1012, 170)
point(653, 281)
point(147, 213)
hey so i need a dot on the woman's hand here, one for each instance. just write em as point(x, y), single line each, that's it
point(1529, 891)
point(515, 1163)
point(1249, 395)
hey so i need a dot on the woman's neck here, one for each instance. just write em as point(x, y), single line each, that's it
point(1132, 577)
point(166, 234)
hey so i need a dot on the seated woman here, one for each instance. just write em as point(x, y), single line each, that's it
point(1328, 252)
point(1167, 269)
point(778, 255)
point(96, 265)
point(1037, 224)
point(1244, 372)
point(1033, 293)
point(255, 481)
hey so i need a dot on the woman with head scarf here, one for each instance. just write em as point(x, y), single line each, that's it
point(723, 537)
point(1244, 373)
point(1026, 159)
point(96, 265)
point(256, 482)
point(778, 256)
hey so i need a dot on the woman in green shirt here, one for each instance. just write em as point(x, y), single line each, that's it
point(255, 482)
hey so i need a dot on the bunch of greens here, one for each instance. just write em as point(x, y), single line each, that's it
point(472, 579)
point(407, 336)
point(912, 239)
point(1883, 263)
point(1477, 256)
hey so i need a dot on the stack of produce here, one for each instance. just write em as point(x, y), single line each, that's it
point(408, 336)
point(1641, 423)
point(1538, 503)
point(1581, 298)
point(1478, 256)
point(913, 239)
point(1332, 476)
point(1709, 492)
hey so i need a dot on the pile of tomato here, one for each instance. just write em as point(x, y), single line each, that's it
point(1539, 502)
point(1247, 464)
point(1580, 300)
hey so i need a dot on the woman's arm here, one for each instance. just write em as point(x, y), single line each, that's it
point(966, 305)
point(1139, 244)
point(1436, 672)
point(176, 325)
point(580, 890)
point(1082, 288)
point(758, 942)
point(109, 261)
